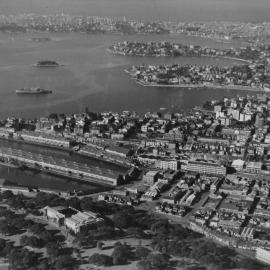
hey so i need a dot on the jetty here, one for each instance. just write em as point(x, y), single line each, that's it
point(57, 166)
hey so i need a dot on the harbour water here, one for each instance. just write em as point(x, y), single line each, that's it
point(95, 78)
point(90, 76)
point(44, 181)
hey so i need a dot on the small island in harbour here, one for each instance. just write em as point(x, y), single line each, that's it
point(47, 63)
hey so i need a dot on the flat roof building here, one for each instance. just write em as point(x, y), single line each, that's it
point(263, 255)
point(208, 167)
point(71, 218)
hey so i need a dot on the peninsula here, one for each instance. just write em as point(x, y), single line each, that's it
point(240, 77)
point(247, 54)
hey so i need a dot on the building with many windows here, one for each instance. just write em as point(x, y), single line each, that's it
point(151, 177)
point(44, 138)
point(166, 164)
point(208, 167)
point(263, 255)
point(71, 218)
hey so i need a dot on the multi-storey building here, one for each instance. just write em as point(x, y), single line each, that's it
point(171, 164)
point(208, 167)
point(263, 255)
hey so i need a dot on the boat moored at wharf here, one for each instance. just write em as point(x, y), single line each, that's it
point(57, 166)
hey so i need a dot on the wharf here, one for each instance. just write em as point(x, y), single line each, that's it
point(70, 150)
point(51, 165)
point(103, 157)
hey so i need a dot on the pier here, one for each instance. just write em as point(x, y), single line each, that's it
point(57, 166)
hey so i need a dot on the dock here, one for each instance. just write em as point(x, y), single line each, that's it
point(57, 166)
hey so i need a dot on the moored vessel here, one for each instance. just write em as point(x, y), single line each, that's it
point(33, 90)
point(47, 63)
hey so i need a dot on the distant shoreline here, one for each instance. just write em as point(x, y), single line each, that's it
point(201, 86)
point(166, 56)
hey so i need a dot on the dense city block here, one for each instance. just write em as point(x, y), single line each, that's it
point(208, 168)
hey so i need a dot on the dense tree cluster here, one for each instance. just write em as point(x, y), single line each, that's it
point(21, 258)
point(166, 239)
point(122, 254)
point(12, 223)
point(100, 260)
point(31, 241)
point(175, 240)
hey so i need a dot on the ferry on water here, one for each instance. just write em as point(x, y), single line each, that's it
point(47, 63)
point(33, 90)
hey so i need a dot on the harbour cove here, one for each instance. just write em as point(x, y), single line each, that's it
point(89, 77)
point(89, 71)
point(135, 135)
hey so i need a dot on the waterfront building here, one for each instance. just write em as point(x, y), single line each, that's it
point(44, 138)
point(49, 164)
point(117, 150)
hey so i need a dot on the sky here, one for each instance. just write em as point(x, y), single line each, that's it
point(180, 10)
